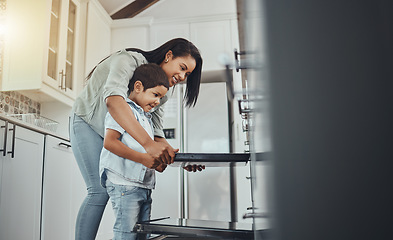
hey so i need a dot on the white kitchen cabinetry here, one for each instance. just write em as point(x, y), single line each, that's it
point(63, 190)
point(21, 181)
point(213, 39)
point(213, 36)
point(63, 33)
point(40, 45)
point(98, 35)
point(163, 32)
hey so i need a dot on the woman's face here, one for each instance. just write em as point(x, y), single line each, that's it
point(177, 68)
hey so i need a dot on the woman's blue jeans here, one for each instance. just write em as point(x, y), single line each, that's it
point(87, 146)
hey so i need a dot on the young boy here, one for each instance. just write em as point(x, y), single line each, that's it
point(126, 170)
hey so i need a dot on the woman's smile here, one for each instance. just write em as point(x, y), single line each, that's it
point(178, 68)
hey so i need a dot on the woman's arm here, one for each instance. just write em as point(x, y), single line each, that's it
point(114, 145)
point(123, 115)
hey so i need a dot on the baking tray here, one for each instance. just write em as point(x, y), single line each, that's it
point(195, 228)
point(211, 159)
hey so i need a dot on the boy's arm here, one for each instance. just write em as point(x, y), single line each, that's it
point(122, 114)
point(114, 145)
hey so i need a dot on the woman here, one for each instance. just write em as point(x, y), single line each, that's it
point(106, 90)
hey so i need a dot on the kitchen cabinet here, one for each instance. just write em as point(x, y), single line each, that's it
point(98, 35)
point(162, 32)
point(41, 188)
point(213, 36)
point(63, 190)
point(201, 34)
point(63, 33)
point(213, 40)
point(57, 220)
point(21, 157)
point(40, 44)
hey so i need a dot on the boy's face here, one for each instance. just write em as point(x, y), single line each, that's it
point(150, 98)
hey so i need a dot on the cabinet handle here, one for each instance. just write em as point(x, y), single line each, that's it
point(64, 144)
point(12, 152)
point(62, 77)
point(5, 138)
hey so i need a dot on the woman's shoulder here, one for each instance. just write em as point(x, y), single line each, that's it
point(136, 56)
point(124, 59)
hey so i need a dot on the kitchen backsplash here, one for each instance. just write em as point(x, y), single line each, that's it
point(16, 103)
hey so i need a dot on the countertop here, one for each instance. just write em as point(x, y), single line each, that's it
point(30, 126)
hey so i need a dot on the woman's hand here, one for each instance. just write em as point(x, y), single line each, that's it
point(162, 150)
point(161, 167)
point(194, 168)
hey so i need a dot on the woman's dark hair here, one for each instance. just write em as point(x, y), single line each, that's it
point(151, 75)
point(180, 47)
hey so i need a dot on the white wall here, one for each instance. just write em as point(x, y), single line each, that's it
point(58, 112)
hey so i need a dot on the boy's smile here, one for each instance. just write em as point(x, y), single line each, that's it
point(149, 98)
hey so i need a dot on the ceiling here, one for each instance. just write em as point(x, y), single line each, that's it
point(119, 9)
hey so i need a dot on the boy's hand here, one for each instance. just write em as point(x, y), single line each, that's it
point(151, 162)
point(162, 152)
point(161, 167)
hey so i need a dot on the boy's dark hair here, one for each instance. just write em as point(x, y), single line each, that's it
point(151, 75)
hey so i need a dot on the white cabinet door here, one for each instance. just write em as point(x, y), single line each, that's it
point(213, 39)
point(63, 191)
point(40, 55)
point(56, 202)
point(21, 181)
point(24, 40)
point(98, 36)
point(2, 149)
point(61, 56)
point(161, 33)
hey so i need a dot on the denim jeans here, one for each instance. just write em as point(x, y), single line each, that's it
point(130, 205)
point(87, 146)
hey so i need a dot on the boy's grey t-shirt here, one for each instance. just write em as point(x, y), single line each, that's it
point(124, 171)
point(110, 78)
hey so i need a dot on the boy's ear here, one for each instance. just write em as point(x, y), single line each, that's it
point(138, 86)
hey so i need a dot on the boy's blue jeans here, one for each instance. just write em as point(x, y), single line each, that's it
point(130, 205)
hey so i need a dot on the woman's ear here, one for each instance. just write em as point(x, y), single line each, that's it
point(169, 55)
point(138, 86)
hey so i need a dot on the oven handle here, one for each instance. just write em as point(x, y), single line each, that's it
point(255, 215)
